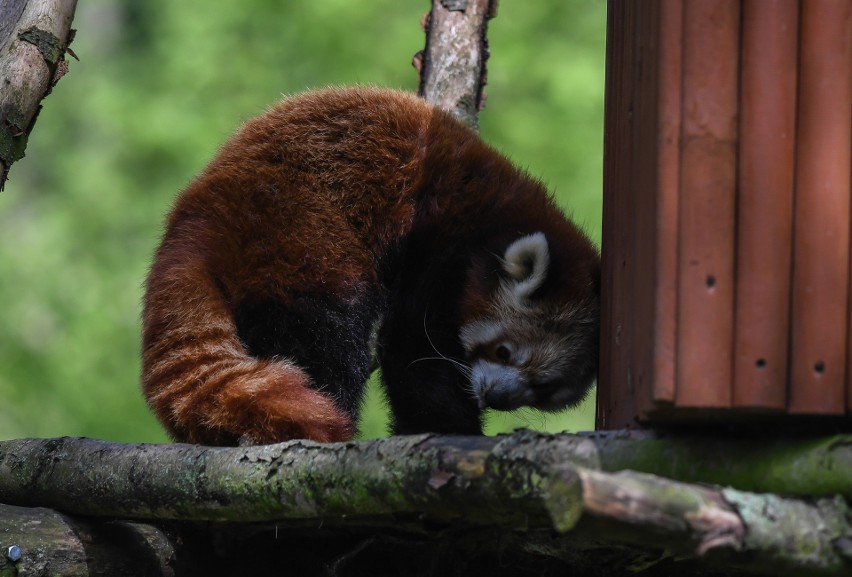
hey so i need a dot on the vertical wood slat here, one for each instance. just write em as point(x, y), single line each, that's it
point(844, 92)
point(765, 202)
point(707, 203)
point(822, 219)
point(638, 330)
point(669, 334)
point(615, 401)
point(624, 378)
point(645, 329)
point(668, 182)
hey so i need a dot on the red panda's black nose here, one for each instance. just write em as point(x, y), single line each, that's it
point(500, 398)
point(498, 402)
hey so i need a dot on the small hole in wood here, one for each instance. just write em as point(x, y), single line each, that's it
point(760, 364)
point(711, 281)
point(819, 367)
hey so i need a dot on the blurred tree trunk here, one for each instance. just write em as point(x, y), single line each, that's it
point(452, 66)
point(34, 36)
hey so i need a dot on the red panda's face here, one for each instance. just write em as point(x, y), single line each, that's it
point(530, 352)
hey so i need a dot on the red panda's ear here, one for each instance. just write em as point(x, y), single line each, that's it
point(526, 260)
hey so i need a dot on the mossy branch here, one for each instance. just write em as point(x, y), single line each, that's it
point(524, 483)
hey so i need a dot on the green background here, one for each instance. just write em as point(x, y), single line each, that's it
point(159, 86)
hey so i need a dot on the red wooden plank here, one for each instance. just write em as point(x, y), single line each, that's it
point(615, 402)
point(645, 331)
point(630, 214)
point(765, 202)
point(707, 203)
point(821, 253)
point(668, 183)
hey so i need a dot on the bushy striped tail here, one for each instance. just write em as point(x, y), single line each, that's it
point(201, 383)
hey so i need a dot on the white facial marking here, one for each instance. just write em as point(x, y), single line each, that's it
point(526, 260)
point(480, 333)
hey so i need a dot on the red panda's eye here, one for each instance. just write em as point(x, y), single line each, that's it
point(503, 353)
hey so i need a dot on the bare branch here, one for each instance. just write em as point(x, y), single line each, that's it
point(452, 67)
point(522, 484)
point(34, 36)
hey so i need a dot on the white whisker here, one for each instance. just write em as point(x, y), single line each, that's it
point(462, 367)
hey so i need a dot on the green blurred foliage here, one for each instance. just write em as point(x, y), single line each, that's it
point(159, 85)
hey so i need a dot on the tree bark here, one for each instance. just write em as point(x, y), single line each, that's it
point(526, 484)
point(34, 36)
point(803, 466)
point(37, 541)
point(449, 478)
point(452, 66)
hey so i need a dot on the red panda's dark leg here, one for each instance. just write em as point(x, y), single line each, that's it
point(327, 338)
point(427, 390)
point(422, 360)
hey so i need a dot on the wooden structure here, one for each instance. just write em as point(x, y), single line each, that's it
point(726, 243)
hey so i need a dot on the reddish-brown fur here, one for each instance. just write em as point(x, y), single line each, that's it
point(308, 199)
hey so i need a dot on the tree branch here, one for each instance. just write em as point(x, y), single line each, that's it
point(34, 36)
point(522, 484)
point(452, 66)
point(796, 466)
point(48, 543)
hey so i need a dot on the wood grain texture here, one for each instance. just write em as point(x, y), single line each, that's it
point(707, 203)
point(765, 202)
point(669, 79)
point(616, 403)
point(642, 126)
point(821, 255)
point(630, 217)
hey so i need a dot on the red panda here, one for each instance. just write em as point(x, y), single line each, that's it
point(351, 227)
